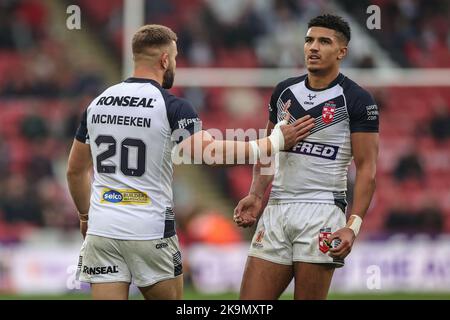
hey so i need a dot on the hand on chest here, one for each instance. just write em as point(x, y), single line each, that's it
point(328, 108)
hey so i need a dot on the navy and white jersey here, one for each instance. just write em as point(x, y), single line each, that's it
point(315, 170)
point(129, 129)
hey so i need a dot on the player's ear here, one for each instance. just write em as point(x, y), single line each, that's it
point(165, 60)
point(342, 53)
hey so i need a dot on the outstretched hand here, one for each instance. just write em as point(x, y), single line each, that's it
point(247, 211)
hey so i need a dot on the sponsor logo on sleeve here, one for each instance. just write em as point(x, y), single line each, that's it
point(183, 123)
point(372, 112)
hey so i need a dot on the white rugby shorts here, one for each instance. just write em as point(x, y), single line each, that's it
point(142, 262)
point(290, 232)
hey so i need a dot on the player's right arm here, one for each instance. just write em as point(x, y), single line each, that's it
point(202, 146)
point(79, 180)
point(249, 208)
point(78, 174)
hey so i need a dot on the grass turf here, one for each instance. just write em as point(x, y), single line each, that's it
point(190, 294)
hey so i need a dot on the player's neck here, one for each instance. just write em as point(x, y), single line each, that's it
point(320, 80)
point(147, 74)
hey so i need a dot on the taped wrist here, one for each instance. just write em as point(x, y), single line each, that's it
point(277, 138)
point(354, 223)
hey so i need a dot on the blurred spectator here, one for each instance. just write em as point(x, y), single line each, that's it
point(4, 160)
point(56, 207)
point(429, 219)
point(41, 161)
point(366, 62)
point(7, 40)
point(401, 218)
point(440, 123)
point(19, 203)
point(409, 166)
point(415, 33)
point(33, 126)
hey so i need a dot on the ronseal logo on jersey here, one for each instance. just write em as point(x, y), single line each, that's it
point(124, 196)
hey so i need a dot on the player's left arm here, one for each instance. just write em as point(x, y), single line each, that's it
point(364, 125)
point(79, 180)
point(365, 153)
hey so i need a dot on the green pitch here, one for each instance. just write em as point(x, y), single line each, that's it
point(190, 294)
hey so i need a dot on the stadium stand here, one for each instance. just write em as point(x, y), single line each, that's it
point(40, 105)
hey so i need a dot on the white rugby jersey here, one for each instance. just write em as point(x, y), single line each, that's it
point(315, 170)
point(129, 129)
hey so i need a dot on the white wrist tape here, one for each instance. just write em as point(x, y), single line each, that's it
point(354, 223)
point(277, 138)
point(255, 151)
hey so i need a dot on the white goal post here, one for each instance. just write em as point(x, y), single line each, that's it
point(268, 78)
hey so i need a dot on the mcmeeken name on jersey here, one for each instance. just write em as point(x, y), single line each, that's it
point(123, 101)
point(121, 120)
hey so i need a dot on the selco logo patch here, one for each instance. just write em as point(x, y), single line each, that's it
point(124, 196)
point(112, 196)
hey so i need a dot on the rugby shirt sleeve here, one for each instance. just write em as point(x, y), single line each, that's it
point(183, 118)
point(82, 134)
point(363, 113)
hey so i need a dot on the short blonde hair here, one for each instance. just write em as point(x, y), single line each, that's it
point(152, 35)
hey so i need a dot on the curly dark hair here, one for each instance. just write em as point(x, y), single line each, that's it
point(333, 22)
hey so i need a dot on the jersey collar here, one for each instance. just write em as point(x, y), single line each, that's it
point(142, 80)
point(337, 80)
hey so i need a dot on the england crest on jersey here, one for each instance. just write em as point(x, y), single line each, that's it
point(328, 112)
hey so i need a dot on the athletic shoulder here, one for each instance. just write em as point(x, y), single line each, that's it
point(354, 92)
point(174, 102)
point(361, 106)
point(181, 114)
